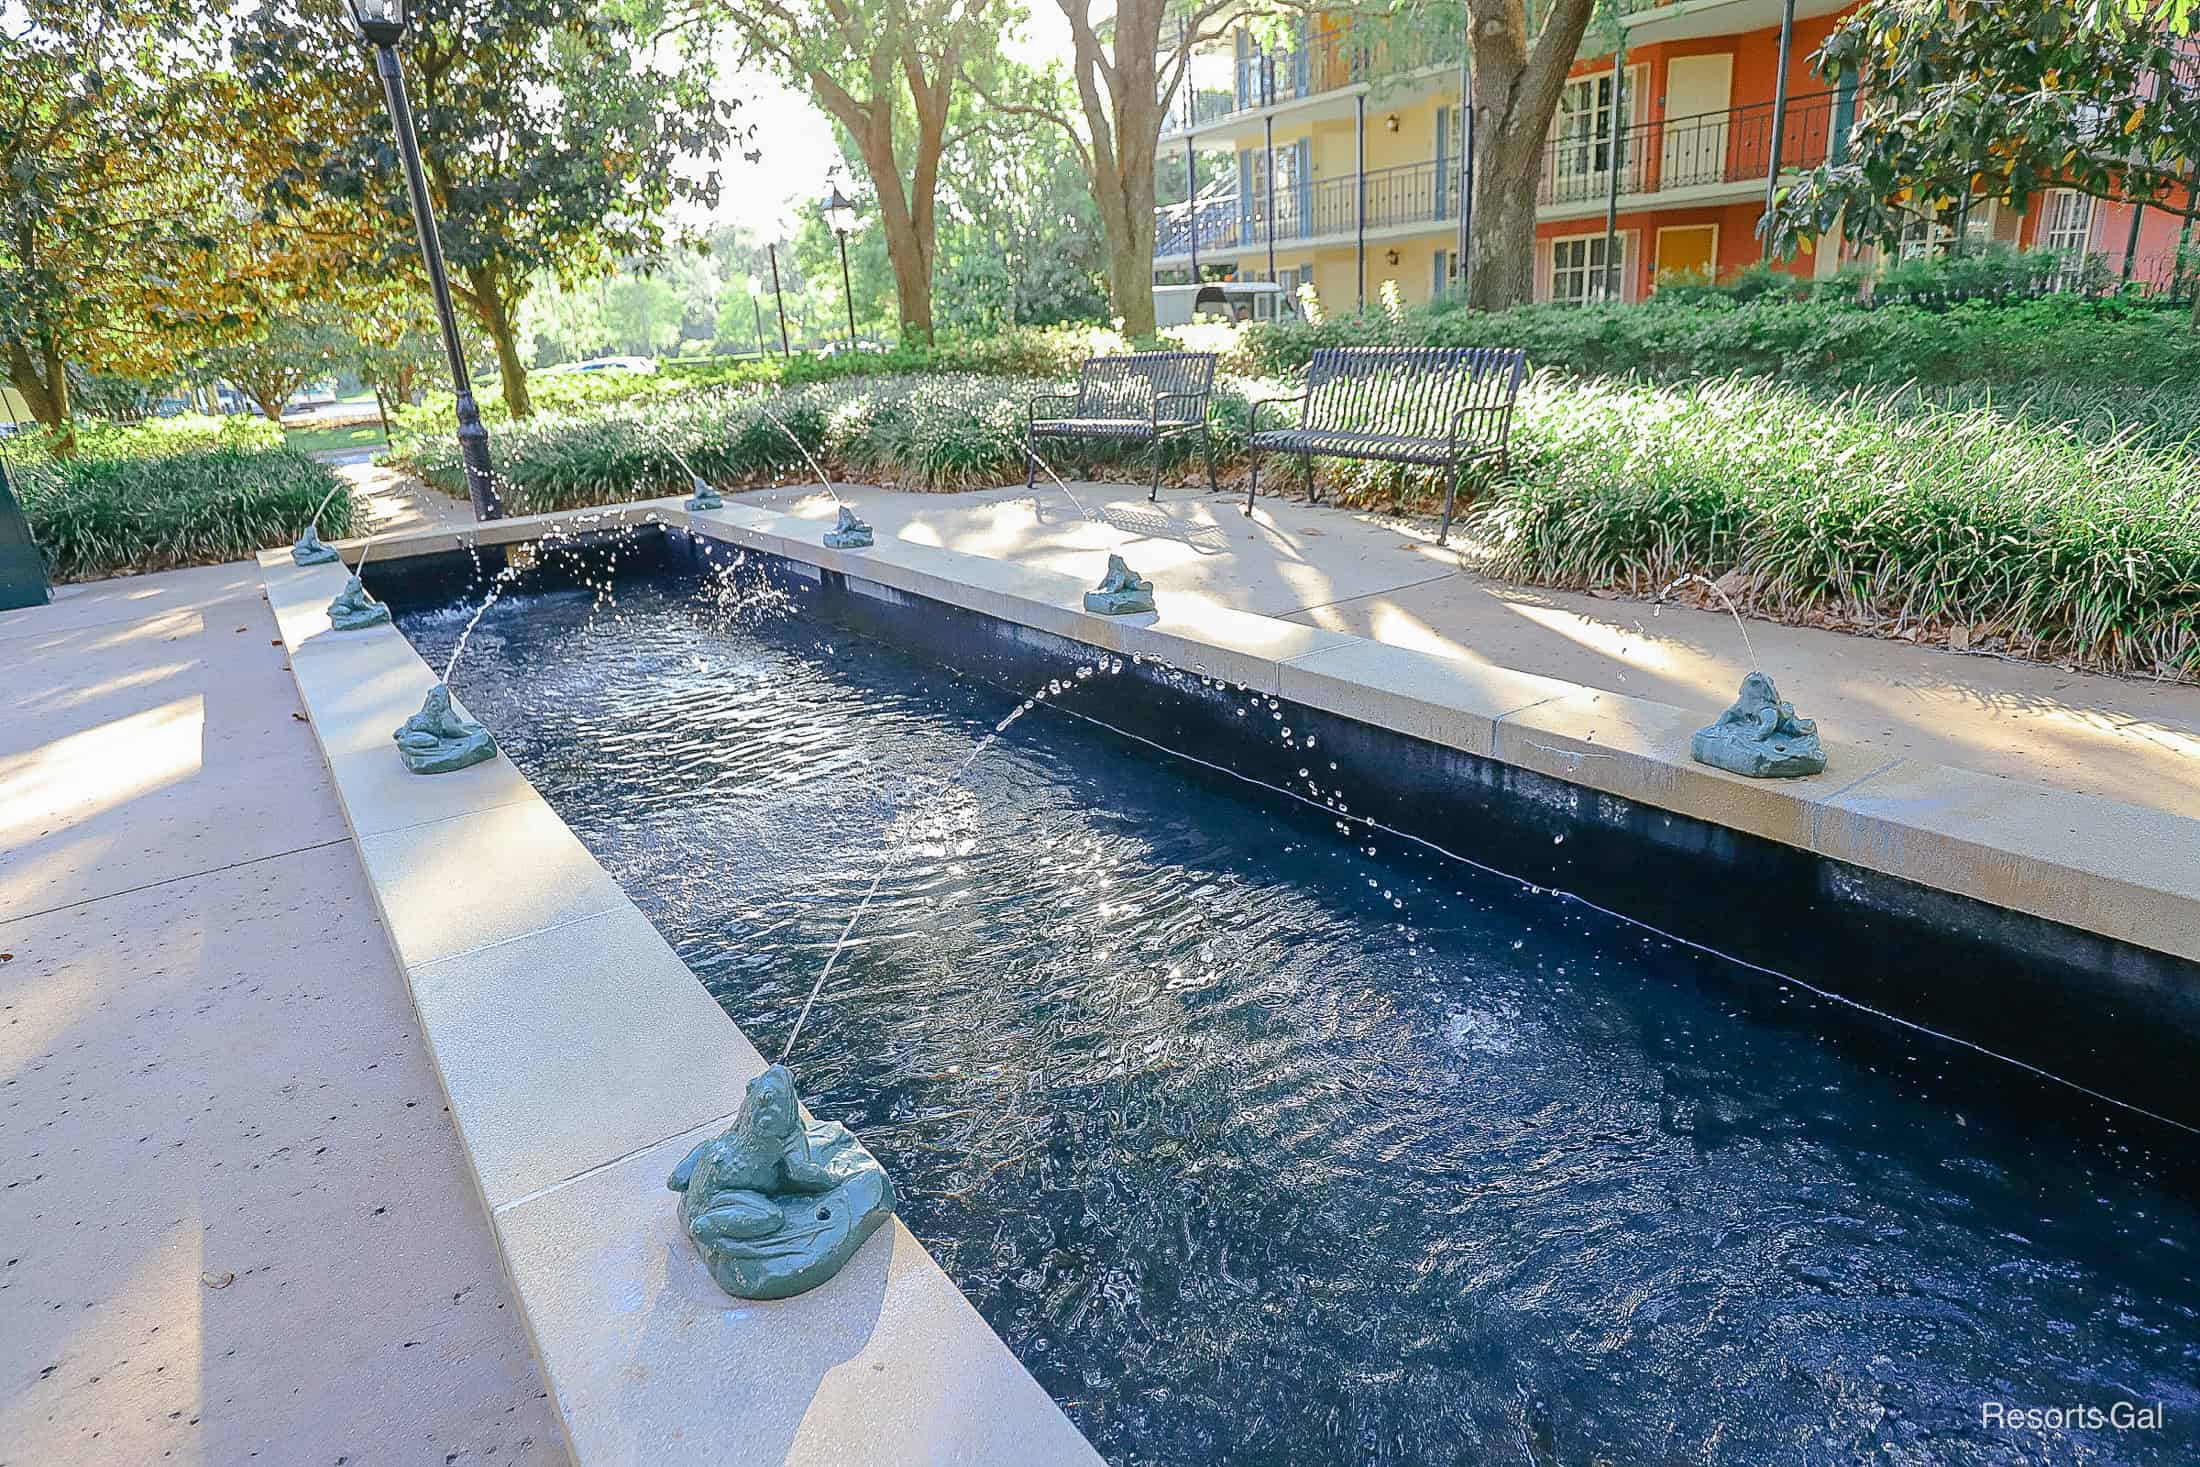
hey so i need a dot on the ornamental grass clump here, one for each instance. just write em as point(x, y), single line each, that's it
point(1873, 508)
point(98, 517)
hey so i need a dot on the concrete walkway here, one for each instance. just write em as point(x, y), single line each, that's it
point(2111, 737)
point(235, 1225)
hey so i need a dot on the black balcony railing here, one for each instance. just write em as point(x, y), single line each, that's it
point(1734, 146)
point(1672, 153)
point(1325, 61)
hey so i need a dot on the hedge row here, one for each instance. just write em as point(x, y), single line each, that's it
point(1863, 503)
point(102, 516)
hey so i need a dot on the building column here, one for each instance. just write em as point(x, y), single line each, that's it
point(1466, 167)
point(1359, 191)
point(1779, 123)
point(1268, 154)
point(1191, 200)
point(1613, 158)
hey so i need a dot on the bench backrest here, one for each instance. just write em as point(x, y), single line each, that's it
point(1415, 391)
point(1125, 385)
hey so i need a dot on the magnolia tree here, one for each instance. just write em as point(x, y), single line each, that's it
point(122, 252)
point(1980, 99)
point(558, 137)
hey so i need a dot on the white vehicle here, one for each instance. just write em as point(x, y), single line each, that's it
point(1223, 300)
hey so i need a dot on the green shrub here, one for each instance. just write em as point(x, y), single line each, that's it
point(1879, 502)
point(938, 431)
point(1868, 505)
point(99, 516)
point(153, 438)
point(1818, 342)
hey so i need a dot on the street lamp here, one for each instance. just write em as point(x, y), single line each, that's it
point(381, 24)
point(840, 217)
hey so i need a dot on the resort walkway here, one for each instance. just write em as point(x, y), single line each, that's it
point(2118, 738)
point(235, 1224)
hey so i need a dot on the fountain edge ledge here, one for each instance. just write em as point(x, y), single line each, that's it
point(2126, 872)
point(581, 1059)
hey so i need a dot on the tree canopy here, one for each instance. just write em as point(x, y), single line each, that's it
point(557, 136)
point(2001, 99)
point(121, 249)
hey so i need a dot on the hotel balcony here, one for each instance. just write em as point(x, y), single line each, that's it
point(1324, 62)
point(1714, 157)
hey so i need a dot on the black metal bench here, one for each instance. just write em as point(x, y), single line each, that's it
point(1135, 397)
point(1445, 407)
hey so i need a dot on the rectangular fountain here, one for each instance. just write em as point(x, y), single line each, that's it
point(1294, 1048)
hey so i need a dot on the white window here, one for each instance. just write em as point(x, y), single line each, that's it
point(1584, 126)
point(1577, 269)
point(2066, 227)
point(1440, 276)
point(1582, 139)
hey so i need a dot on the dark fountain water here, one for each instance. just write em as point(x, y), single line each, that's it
point(1265, 1142)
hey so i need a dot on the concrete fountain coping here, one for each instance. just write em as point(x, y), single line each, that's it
point(582, 1058)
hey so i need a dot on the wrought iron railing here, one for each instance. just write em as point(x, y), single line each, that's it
point(1323, 61)
point(1734, 146)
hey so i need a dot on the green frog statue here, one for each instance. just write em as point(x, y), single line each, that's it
point(704, 496)
point(1121, 592)
point(353, 608)
point(1760, 737)
point(848, 532)
point(310, 549)
point(439, 739)
point(777, 1204)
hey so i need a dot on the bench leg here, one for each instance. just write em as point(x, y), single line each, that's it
point(1451, 493)
point(1153, 495)
point(1207, 448)
point(1031, 463)
point(1306, 471)
point(1252, 483)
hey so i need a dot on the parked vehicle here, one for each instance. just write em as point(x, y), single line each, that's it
point(1225, 300)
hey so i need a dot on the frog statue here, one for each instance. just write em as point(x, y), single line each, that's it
point(439, 739)
point(309, 549)
point(353, 608)
point(848, 533)
point(1121, 592)
point(704, 496)
point(1760, 737)
point(777, 1204)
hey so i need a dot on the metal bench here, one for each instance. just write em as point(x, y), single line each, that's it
point(1445, 407)
point(1136, 397)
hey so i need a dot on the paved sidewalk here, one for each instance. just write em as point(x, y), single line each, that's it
point(235, 1225)
point(2117, 738)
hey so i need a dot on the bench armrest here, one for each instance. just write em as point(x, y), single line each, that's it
point(1193, 397)
point(1253, 421)
point(1031, 408)
point(1459, 417)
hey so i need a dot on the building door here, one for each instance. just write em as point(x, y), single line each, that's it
point(1698, 92)
point(1686, 249)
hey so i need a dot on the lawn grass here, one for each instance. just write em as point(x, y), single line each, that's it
point(324, 440)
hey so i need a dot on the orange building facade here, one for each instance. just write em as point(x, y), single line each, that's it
point(1346, 156)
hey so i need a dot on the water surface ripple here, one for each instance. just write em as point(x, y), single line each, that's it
point(1262, 1142)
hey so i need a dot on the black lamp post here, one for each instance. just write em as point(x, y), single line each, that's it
point(840, 216)
point(381, 23)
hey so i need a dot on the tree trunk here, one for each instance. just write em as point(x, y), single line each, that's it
point(496, 316)
point(1123, 103)
point(45, 391)
point(1516, 88)
point(1501, 237)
